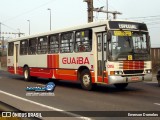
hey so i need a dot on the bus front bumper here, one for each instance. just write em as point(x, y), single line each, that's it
point(129, 79)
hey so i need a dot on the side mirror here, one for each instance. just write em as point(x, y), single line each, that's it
point(148, 43)
point(108, 36)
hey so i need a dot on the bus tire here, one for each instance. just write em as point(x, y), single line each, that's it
point(26, 74)
point(121, 85)
point(159, 83)
point(86, 80)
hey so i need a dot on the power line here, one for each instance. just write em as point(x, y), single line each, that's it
point(8, 27)
point(29, 11)
point(142, 17)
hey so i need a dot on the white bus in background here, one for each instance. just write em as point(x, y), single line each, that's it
point(93, 53)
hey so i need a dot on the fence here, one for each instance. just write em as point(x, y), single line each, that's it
point(155, 56)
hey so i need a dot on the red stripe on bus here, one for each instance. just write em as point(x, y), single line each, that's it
point(10, 69)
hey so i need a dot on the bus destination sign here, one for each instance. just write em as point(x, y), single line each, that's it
point(127, 25)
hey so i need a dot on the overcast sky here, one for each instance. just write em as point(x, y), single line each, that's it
point(15, 13)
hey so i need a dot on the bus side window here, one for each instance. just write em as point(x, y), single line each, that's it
point(10, 48)
point(83, 41)
point(66, 44)
point(24, 47)
point(42, 45)
point(53, 42)
point(32, 46)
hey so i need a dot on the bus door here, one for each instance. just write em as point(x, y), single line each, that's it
point(101, 56)
point(16, 54)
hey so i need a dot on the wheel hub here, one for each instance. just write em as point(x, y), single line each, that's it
point(86, 80)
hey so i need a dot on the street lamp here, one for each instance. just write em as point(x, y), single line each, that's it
point(107, 8)
point(29, 26)
point(50, 17)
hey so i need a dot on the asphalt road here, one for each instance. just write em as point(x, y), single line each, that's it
point(71, 97)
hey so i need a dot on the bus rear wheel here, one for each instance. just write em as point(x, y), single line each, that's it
point(26, 74)
point(85, 79)
point(121, 85)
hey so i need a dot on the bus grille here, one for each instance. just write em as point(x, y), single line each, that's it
point(132, 65)
point(132, 71)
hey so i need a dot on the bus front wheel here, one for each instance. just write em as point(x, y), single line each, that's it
point(26, 73)
point(85, 79)
point(121, 85)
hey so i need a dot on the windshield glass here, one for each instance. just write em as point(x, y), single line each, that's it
point(129, 45)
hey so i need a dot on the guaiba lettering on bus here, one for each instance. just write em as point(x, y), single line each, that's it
point(75, 60)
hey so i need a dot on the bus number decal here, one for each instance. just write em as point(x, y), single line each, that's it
point(110, 66)
point(75, 60)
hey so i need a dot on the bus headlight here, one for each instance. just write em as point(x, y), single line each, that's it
point(120, 72)
point(116, 72)
point(148, 71)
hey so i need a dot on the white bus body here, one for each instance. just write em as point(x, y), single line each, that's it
point(89, 53)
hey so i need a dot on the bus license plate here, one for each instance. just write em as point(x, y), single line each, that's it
point(134, 78)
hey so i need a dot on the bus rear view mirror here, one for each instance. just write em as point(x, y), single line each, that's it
point(108, 36)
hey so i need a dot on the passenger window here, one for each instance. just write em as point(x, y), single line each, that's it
point(42, 45)
point(32, 46)
point(83, 41)
point(10, 48)
point(24, 47)
point(53, 44)
point(66, 44)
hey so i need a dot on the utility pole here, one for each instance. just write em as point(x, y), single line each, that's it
point(50, 18)
point(29, 26)
point(114, 13)
point(0, 30)
point(90, 10)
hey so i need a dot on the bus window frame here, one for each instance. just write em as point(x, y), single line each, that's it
point(10, 48)
point(49, 45)
point(90, 41)
point(20, 50)
point(42, 46)
point(70, 42)
point(35, 46)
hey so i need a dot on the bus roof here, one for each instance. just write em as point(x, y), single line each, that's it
point(83, 26)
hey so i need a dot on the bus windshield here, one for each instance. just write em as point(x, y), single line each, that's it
point(129, 45)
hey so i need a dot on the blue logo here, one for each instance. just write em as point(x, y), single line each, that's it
point(49, 87)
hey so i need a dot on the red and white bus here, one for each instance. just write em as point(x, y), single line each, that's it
point(105, 52)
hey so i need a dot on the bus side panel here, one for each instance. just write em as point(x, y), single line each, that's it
point(93, 76)
point(20, 70)
point(11, 69)
point(65, 74)
point(37, 65)
point(69, 65)
point(10, 64)
point(41, 72)
point(60, 73)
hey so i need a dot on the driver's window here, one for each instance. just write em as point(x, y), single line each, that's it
point(144, 45)
point(115, 46)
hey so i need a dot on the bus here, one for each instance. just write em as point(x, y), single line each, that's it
point(91, 54)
